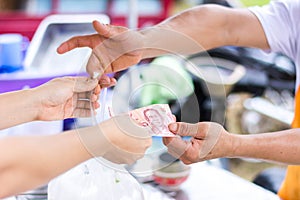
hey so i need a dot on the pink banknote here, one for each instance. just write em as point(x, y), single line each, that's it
point(156, 117)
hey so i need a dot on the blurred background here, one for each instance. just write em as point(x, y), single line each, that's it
point(260, 100)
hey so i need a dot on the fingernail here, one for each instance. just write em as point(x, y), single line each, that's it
point(173, 127)
point(104, 82)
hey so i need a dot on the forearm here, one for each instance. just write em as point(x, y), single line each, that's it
point(28, 162)
point(17, 108)
point(280, 146)
point(202, 28)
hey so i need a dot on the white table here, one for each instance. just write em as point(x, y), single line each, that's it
point(208, 182)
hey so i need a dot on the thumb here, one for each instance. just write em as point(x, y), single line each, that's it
point(184, 129)
point(84, 84)
point(107, 30)
point(102, 29)
point(95, 65)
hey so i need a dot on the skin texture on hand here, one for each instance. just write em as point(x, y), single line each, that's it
point(114, 48)
point(209, 26)
point(208, 140)
point(118, 139)
point(66, 97)
point(57, 99)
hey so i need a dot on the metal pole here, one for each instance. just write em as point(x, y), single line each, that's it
point(133, 14)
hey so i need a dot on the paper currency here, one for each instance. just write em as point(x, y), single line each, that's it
point(156, 117)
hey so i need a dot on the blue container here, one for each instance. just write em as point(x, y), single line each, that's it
point(12, 48)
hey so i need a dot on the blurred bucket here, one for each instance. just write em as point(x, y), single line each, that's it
point(12, 48)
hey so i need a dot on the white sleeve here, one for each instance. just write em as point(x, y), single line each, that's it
point(279, 20)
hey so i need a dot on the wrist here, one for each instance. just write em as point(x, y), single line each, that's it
point(234, 146)
point(31, 104)
point(243, 146)
point(144, 33)
point(152, 43)
point(36, 102)
point(17, 107)
point(93, 140)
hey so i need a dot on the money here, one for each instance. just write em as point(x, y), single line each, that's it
point(156, 117)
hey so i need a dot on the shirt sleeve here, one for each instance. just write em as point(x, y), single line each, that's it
point(278, 21)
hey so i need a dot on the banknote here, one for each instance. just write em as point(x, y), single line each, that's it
point(156, 117)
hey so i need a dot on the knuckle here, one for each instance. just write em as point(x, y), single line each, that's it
point(186, 161)
point(191, 156)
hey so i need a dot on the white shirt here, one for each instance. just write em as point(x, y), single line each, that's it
point(281, 23)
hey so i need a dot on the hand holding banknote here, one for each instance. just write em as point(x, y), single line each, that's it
point(125, 137)
point(155, 118)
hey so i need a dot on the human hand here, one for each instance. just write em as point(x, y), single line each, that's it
point(118, 139)
point(128, 140)
point(66, 97)
point(114, 48)
point(209, 140)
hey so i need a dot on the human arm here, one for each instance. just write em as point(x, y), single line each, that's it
point(30, 161)
point(210, 140)
point(209, 26)
point(55, 100)
point(193, 30)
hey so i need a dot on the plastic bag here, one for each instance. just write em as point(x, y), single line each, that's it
point(96, 178)
point(94, 181)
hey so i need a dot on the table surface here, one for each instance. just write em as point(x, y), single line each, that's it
point(208, 182)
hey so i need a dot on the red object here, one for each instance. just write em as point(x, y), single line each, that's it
point(169, 181)
point(25, 24)
point(19, 23)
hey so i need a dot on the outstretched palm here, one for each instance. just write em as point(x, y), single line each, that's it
point(114, 48)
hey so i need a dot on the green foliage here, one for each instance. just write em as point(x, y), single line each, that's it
point(254, 2)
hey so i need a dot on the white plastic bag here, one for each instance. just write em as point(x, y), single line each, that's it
point(94, 181)
point(97, 178)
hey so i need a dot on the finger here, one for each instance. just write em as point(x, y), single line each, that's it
point(97, 90)
point(83, 104)
point(96, 105)
point(192, 152)
point(81, 112)
point(94, 64)
point(107, 30)
point(177, 146)
point(84, 96)
point(185, 161)
point(174, 117)
point(112, 82)
point(104, 80)
point(174, 154)
point(102, 29)
point(76, 42)
point(94, 98)
point(177, 153)
point(167, 140)
point(84, 84)
point(184, 129)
